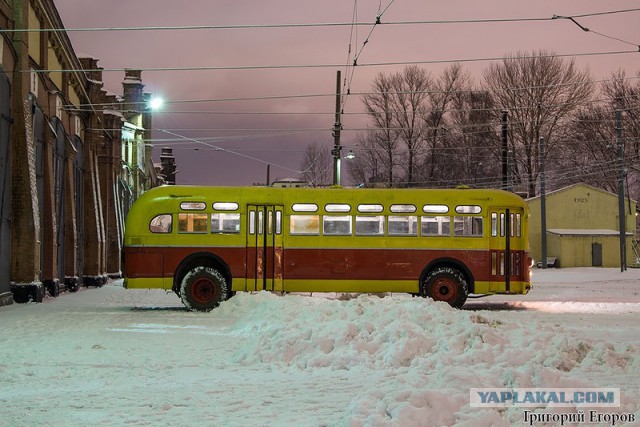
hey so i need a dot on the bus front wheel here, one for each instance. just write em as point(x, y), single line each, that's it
point(446, 284)
point(203, 289)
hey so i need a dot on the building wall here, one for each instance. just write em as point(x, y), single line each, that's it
point(5, 186)
point(581, 207)
point(61, 220)
point(576, 251)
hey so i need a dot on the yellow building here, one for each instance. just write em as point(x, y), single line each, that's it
point(582, 228)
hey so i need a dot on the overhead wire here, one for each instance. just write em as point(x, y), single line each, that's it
point(354, 25)
point(311, 24)
point(585, 29)
point(321, 95)
point(232, 152)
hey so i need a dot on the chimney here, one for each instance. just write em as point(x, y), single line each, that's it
point(132, 93)
point(168, 166)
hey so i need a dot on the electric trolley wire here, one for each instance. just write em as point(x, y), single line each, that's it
point(232, 152)
point(324, 95)
point(585, 29)
point(354, 25)
point(326, 65)
point(349, 78)
point(311, 24)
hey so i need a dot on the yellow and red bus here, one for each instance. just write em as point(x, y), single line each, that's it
point(206, 243)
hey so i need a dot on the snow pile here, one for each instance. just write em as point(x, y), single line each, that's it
point(427, 351)
point(109, 356)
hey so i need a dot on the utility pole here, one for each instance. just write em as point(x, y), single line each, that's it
point(621, 211)
point(337, 127)
point(510, 161)
point(543, 205)
point(268, 174)
point(505, 152)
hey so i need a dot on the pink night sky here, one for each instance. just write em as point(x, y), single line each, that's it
point(222, 129)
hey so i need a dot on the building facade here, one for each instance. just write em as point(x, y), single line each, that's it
point(64, 183)
point(582, 227)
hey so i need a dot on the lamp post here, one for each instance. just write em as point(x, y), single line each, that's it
point(337, 127)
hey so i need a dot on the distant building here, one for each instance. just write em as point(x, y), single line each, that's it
point(582, 227)
point(168, 166)
point(289, 182)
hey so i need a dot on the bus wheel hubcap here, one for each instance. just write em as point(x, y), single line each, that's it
point(203, 290)
point(445, 290)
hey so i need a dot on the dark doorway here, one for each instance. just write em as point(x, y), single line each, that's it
point(5, 185)
point(596, 254)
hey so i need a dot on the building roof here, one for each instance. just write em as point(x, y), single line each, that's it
point(570, 187)
point(584, 232)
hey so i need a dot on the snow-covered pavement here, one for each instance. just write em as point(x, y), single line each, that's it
point(112, 356)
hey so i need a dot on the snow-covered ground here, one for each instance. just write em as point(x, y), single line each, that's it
point(112, 356)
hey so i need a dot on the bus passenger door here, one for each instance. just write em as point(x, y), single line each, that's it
point(506, 251)
point(264, 248)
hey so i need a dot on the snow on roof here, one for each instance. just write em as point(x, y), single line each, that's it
point(86, 56)
point(580, 184)
point(584, 232)
point(114, 113)
point(131, 81)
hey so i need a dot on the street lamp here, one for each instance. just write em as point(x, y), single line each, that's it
point(155, 103)
point(350, 155)
point(337, 157)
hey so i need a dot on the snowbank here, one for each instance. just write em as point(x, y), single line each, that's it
point(111, 356)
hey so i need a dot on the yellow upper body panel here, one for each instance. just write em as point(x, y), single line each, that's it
point(316, 201)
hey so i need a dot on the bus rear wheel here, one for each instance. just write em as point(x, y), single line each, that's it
point(446, 284)
point(203, 289)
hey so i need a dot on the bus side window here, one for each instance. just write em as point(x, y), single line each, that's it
point(278, 222)
point(192, 222)
point(403, 226)
point(162, 223)
point(252, 222)
point(304, 224)
point(494, 224)
point(370, 225)
point(226, 223)
point(435, 225)
point(467, 226)
point(334, 225)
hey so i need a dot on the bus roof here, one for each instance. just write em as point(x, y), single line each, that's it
point(164, 198)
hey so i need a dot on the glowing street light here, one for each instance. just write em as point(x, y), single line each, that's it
point(155, 103)
point(350, 155)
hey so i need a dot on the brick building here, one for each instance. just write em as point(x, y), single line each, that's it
point(72, 158)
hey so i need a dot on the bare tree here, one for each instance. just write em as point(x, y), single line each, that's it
point(593, 139)
point(379, 149)
point(453, 81)
point(590, 156)
point(623, 95)
point(316, 166)
point(541, 92)
point(397, 109)
point(474, 147)
point(412, 89)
